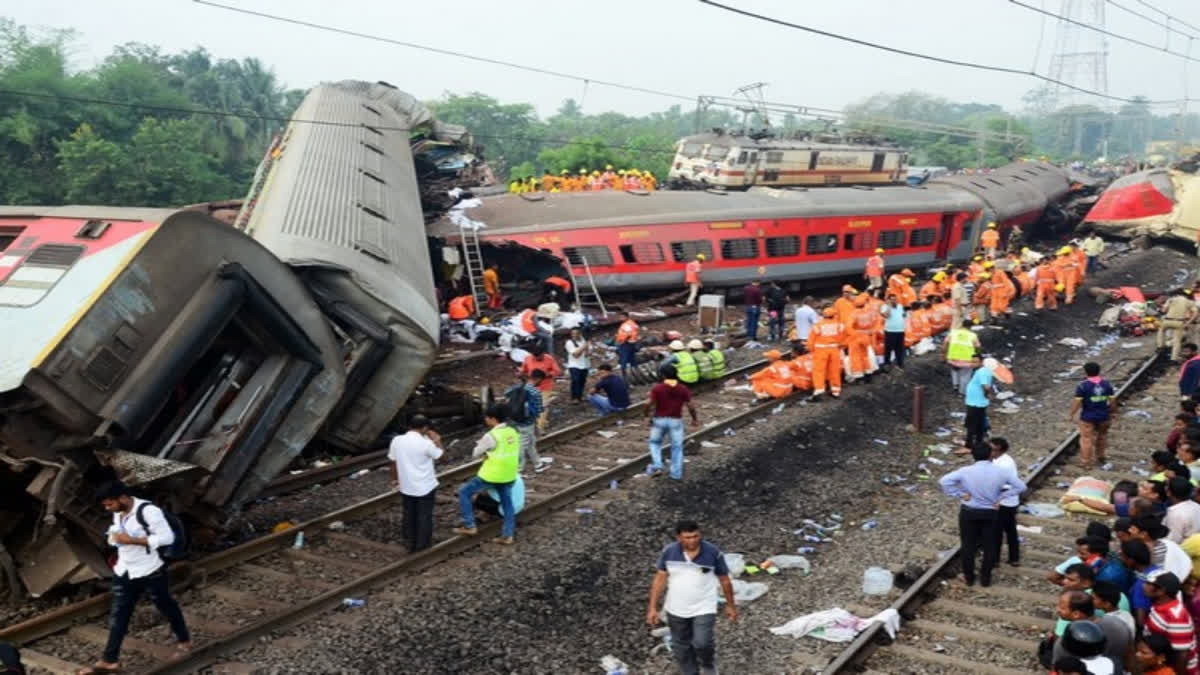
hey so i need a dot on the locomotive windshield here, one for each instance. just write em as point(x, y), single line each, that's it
point(716, 152)
point(691, 150)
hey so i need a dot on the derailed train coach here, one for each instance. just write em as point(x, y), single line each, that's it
point(195, 360)
point(1157, 202)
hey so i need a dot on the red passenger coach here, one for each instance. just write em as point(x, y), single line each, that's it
point(641, 241)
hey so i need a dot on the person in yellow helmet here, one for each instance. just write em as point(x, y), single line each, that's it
point(990, 240)
point(1066, 269)
point(609, 178)
point(549, 181)
point(691, 277)
point(514, 187)
point(873, 272)
point(649, 182)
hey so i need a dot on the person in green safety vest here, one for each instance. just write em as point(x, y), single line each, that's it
point(716, 357)
point(500, 448)
point(703, 363)
point(961, 346)
point(685, 366)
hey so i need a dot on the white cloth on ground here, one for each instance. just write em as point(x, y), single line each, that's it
point(837, 625)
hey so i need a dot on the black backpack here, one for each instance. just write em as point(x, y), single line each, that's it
point(176, 550)
point(517, 406)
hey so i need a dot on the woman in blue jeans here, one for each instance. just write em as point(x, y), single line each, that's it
point(667, 400)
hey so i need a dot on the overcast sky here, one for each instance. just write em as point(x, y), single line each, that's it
point(680, 46)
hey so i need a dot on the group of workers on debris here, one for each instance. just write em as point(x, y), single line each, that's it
point(585, 181)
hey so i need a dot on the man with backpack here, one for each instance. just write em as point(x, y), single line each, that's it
point(142, 533)
point(522, 407)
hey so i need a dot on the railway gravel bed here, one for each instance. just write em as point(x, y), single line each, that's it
point(573, 589)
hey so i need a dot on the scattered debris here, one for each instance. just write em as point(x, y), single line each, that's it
point(1073, 342)
point(359, 474)
point(1042, 510)
point(877, 581)
point(353, 603)
point(881, 441)
point(607, 434)
point(1031, 529)
point(337, 526)
point(613, 666)
point(1142, 414)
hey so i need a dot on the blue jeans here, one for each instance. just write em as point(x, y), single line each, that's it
point(626, 352)
point(476, 485)
point(692, 643)
point(125, 594)
point(775, 326)
point(674, 427)
point(578, 379)
point(752, 322)
point(1092, 261)
point(602, 404)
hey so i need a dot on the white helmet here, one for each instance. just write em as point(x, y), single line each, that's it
point(695, 344)
point(676, 345)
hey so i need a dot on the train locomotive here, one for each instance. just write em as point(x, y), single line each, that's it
point(194, 359)
point(640, 241)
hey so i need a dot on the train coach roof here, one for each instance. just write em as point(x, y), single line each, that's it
point(570, 210)
point(84, 212)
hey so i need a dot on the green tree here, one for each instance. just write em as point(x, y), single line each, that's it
point(93, 169)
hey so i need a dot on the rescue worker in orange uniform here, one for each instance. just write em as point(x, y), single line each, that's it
point(549, 181)
point(627, 344)
point(1045, 278)
point(933, 287)
point(900, 285)
point(975, 268)
point(861, 338)
point(875, 304)
point(555, 289)
point(609, 178)
point(461, 307)
point(941, 315)
point(826, 340)
point(1068, 273)
point(774, 381)
point(491, 286)
point(802, 367)
point(1023, 279)
point(1002, 292)
point(990, 240)
point(844, 306)
point(982, 298)
point(691, 277)
point(874, 270)
point(916, 324)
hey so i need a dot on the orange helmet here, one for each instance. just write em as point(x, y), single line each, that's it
point(907, 272)
point(772, 354)
point(829, 312)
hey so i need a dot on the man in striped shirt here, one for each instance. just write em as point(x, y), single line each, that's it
point(1169, 617)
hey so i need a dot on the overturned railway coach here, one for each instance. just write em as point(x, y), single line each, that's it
point(638, 241)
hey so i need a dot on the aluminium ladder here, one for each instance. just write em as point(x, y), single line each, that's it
point(473, 259)
point(588, 296)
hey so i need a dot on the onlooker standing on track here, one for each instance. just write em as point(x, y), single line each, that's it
point(578, 363)
point(539, 360)
point(777, 300)
point(1006, 527)
point(1093, 246)
point(893, 332)
point(1076, 605)
point(523, 406)
point(874, 271)
point(413, 454)
point(1178, 315)
point(665, 410)
point(1183, 514)
point(1169, 618)
point(962, 344)
point(752, 298)
point(691, 277)
point(805, 317)
point(138, 530)
point(689, 572)
point(611, 393)
point(979, 391)
point(1155, 655)
point(627, 344)
point(1189, 373)
point(1094, 400)
point(501, 449)
point(980, 488)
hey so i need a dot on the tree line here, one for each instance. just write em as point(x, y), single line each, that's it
point(69, 142)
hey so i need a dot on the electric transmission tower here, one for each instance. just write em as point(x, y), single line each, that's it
point(1080, 56)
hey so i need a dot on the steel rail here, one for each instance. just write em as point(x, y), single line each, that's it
point(208, 654)
point(186, 574)
point(866, 642)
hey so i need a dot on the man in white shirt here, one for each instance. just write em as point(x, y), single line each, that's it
point(1092, 247)
point(1007, 526)
point(805, 317)
point(138, 530)
point(413, 454)
point(1183, 514)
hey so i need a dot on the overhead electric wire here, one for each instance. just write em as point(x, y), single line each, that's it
point(1102, 31)
point(927, 57)
point(448, 52)
point(1152, 20)
point(1167, 15)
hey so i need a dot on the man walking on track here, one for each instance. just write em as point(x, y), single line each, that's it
point(627, 344)
point(139, 529)
point(1094, 401)
point(501, 449)
point(874, 271)
point(667, 400)
point(752, 298)
point(689, 571)
point(1006, 525)
point(980, 488)
point(413, 454)
point(691, 277)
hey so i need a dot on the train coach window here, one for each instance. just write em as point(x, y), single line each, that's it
point(779, 247)
point(716, 152)
point(646, 252)
point(922, 237)
point(741, 157)
point(690, 150)
point(817, 244)
point(892, 239)
point(686, 251)
point(774, 157)
point(8, 235)
point(860, 241)
point(595, 255)
point(739, 249)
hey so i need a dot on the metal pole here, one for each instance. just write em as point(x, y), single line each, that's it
point(918, 407)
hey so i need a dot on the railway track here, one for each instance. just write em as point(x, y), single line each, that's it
point(1004, 622)
point(239, 595)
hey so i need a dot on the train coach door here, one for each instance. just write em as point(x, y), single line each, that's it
point(945, 235)
point(751, 169)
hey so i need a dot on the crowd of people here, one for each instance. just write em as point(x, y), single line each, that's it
point(585, 181)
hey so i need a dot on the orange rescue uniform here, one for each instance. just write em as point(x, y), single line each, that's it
point(930, 289)
point(628, 332)
point(862, 335)
point(916, 327)
point(845, 310)
point(940, 316)
point(990, 239)
point(1067, 271)
point(461, 307)
point(774, 381)
point(802, 372)
point(825, 342)
point(1045, 277)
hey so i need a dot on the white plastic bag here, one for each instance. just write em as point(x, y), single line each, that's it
point(736, 563)
point(747, 591)
point(1039, 510)
point(785, 562)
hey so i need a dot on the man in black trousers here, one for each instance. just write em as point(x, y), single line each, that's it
point(980, 488)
